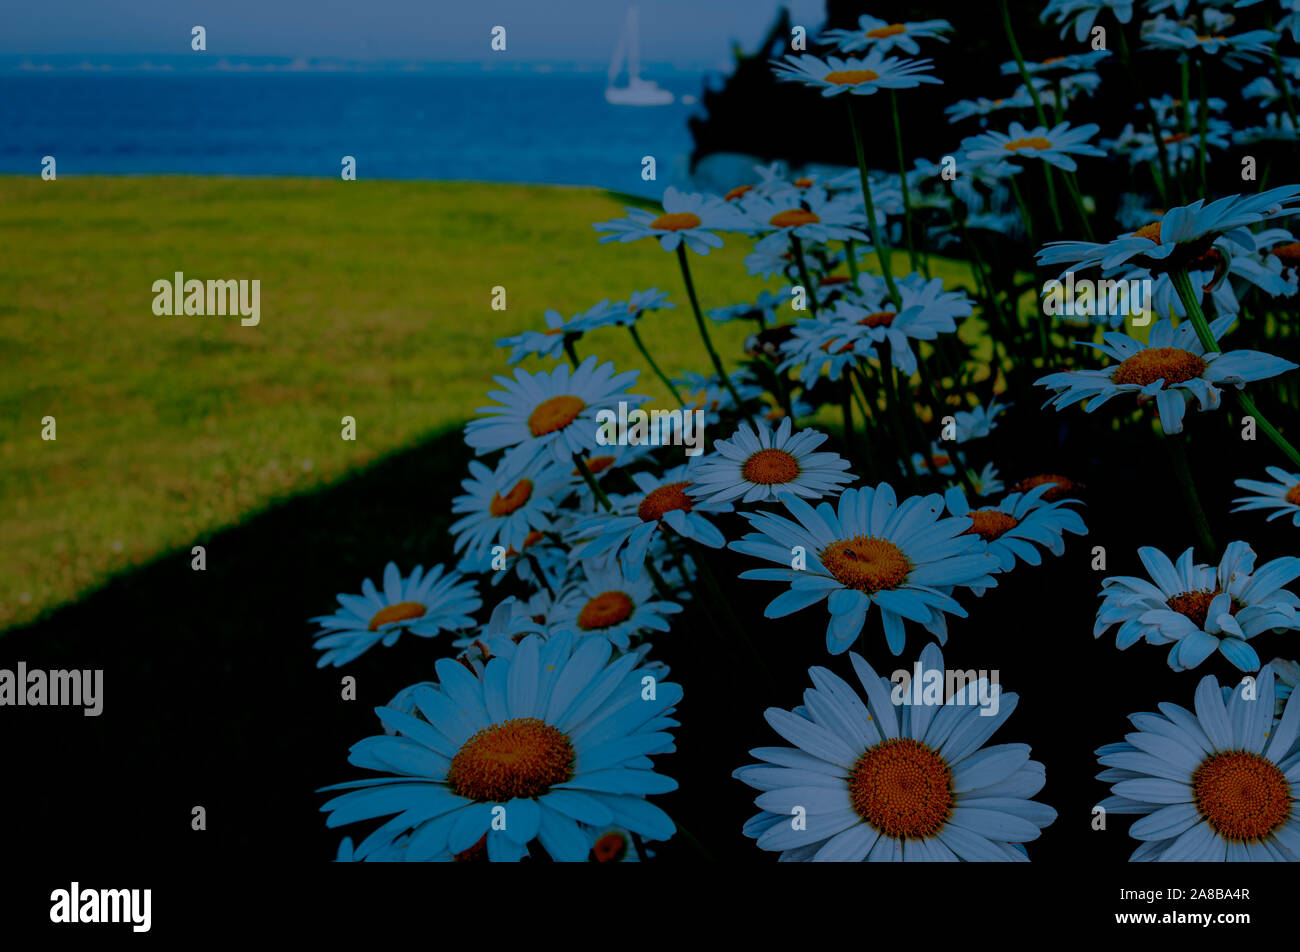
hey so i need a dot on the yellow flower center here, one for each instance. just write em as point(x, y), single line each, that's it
point(884, 32)
point(1033, 142)
point(1209, 38)
point(770, 467)
point(738, 192)
point(511, 501)
point(676, 221)
point(866, 563)
point(1293, 495)
point(522, 757)
point(1151, 232)
point(398, 611)
point(851, 77)
point(610, 848)
point(793, 218)
point(1243, 796)
point(879, 319)
point(803, 182)
point(555, 414)
point(989, 524)
point(902, 788)
point(663, 500)
point(605, 611)
point(1145, 367)
point(1052, 61)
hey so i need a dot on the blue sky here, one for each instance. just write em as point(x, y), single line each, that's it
point(685, 33)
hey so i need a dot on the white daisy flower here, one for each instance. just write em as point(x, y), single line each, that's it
point(895, 779)
point(1283, 494)
point(553, 732)
point(1173, 367)
point(758, 466)
point(607, 603)
point(809, 215)
point(1010, 528)
point(422, 604)
point(1071, 63)
point(625, 313)
point(986, 481)
point(1235, 51)
point(506, 510)
point(549, 414)
point(980, 422)
point(1217, 785)
point(1054, 146)
point(762, 310)
point(859, 77)
point(1185, 233)
point(883, 36)
point(1199, 609)
point(550, 342)
point(868, 550)
point(1082, 14)
point(687, 217)
point(635, 521)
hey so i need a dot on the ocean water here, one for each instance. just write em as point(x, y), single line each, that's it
point(549, 127)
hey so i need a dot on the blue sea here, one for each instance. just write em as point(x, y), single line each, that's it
point(479, 124)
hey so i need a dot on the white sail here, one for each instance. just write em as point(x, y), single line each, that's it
point(638, 91)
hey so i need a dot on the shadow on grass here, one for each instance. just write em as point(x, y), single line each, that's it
point(211, 696)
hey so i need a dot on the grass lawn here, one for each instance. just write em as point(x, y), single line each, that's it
point(375, 304)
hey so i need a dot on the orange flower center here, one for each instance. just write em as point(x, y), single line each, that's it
point(1151, 232)
point(610, 848)
point(1145, 367)
point(884, 32)
point(663, 500)
point(554, 414)
point(1193, 605)
point(596, 464)
point(834, 279)
point(902, 788)
point(803, 182)
point(1288, 253)
point(521, 757)
point(866, 563)
point(1033, 142)
point(511, 501)
point(1064, 485)
point(988, 524)
point(1177, 137)
point(1243, 796)
point(1209, 38)
point(398, 611)
point(769, 467)
point(851, 77)
point(738, 192)
point(676, 221)
point(793, 218)
point(1293, 495)
point(879, 319)
point(605, 611)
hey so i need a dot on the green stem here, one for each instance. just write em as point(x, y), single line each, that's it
point(896, 414)
point(902, 177)
point(797, 246)
point(1020, 64)
point(699, 323)
point(591, 483)
point(877, 238)
point(571, 350)
point(1203, 124)
point(1183, 285)
point(1178, 456)
point(640, 345)
point(851, 256)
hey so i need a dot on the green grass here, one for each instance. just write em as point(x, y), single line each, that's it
point(375, 304)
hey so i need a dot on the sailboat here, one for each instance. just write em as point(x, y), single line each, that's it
point(638, 91)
